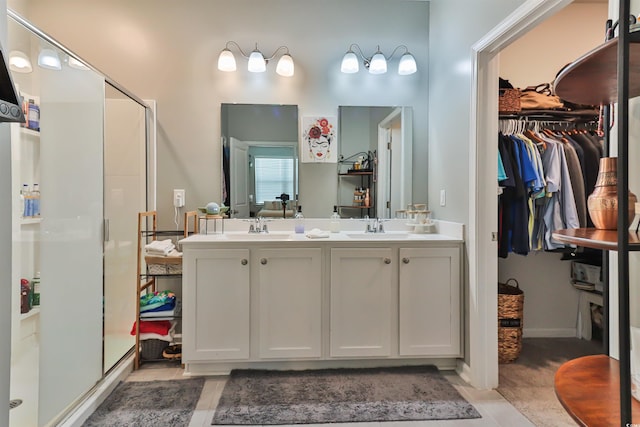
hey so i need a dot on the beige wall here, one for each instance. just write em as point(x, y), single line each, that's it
point(539, 55)
point(167, 51)
point(551, 302)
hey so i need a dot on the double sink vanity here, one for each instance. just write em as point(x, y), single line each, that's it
point(278, 299)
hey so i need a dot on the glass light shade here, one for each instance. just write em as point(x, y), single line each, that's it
point(378, 64)
point(78, 65)
point(350, 63)
point(226, 61)
point(407, 65)
point(19, 62)
point(285, 65)
point(257, 64)
point(48, 58)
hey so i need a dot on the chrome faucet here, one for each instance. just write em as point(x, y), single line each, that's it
point(259, 225)
point(374, 226)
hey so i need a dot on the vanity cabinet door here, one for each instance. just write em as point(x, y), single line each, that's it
point(362, 283)
point(429, 308)
point(288, 289)
point(215, 304)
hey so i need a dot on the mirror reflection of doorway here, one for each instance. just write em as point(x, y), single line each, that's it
point(394, 159)
point(239, 178)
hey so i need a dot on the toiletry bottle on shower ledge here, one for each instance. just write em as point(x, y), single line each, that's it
point(299, 221)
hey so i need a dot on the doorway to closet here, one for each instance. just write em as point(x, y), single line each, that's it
point(557, 321)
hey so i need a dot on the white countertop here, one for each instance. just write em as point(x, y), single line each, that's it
point(352, 231)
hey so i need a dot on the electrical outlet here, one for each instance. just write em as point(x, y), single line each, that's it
point(178, 198)
point(443, 197)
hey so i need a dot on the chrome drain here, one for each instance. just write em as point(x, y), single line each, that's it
point(14, 403)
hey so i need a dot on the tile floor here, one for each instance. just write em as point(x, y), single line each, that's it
point(495, 410)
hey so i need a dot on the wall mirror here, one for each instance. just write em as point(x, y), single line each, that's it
point(259, 159)
point(383, 136)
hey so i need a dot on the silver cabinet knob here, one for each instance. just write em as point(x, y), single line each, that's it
point(244, 261)
point(405, 260)
point(387, 260)
point(263, 261)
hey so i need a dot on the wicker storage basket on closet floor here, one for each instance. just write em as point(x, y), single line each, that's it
point(510, 319)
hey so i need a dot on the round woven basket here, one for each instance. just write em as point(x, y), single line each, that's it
point(510, 320)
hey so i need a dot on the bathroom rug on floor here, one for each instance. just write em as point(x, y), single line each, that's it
point(149, 404)
point(260, 397)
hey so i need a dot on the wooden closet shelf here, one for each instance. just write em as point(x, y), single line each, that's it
point(589, 389)
point(596, 239)
point(593, 78)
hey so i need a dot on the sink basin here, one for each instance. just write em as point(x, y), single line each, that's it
point(256, 236)
point(378, 236)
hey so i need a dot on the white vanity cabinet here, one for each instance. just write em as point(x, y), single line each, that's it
point(284, 301)
point(362, 300)
point(216, 296)
point(288, 292)
point(429, 302)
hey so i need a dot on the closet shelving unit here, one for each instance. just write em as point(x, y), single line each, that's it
point(596, 390)
point(147, 280)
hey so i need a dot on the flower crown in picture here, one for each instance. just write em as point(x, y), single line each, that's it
point(319, 128)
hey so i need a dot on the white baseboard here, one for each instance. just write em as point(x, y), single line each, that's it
point(550, 333)
point(99, 393)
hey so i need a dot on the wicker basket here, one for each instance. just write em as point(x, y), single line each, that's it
point(510, 319)
point(164, 265)
point(151, 349)
point(509, 101)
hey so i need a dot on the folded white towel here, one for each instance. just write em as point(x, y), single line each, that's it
point(165, 252)
point(159, 245)
point(316, 233)
point(161, 248)
point(175, 253)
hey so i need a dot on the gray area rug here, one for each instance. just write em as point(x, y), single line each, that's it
point(259, 397)
point(149, 404)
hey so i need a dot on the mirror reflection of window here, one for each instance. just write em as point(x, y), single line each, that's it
point(273, 177)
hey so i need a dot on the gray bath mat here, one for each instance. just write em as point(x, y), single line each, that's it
point(259, 397)
point(149, 404)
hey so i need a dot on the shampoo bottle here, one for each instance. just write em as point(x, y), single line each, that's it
point(334, 224)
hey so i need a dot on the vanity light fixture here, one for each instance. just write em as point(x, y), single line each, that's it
point(257, 61)
point(76, 63)
point(19, 62)
point(377, 63)
point(48, 58)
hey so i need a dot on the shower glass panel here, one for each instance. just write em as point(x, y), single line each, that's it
point(125, 194)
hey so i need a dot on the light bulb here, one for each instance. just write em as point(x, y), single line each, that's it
point(285, 66)
point(226, 61)
point(48, 58)
point(19, 62)
point(349, 63)
point(378, 64)
point(407, 65)
point(257, 63)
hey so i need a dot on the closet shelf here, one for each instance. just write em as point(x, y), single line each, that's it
point(593, 78)
point(568, 115)
point(596, 239)
point(600, 375)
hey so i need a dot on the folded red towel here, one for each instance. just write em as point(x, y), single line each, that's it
point(160, 327)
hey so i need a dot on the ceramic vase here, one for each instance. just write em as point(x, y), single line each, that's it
point(602, 204)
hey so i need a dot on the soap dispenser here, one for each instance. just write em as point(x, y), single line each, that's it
point(334, 224)
point(299, 221)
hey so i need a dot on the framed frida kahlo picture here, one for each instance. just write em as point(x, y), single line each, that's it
point(319, 142)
